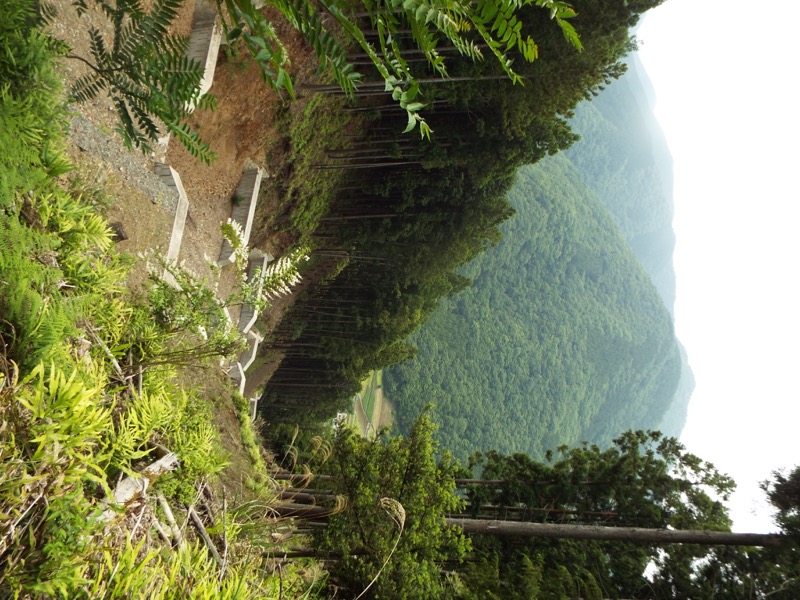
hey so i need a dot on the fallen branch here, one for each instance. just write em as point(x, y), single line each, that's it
point(163, 531)
point(113, 360)
point(224, 535)
point(206, 538)
point(132, 488)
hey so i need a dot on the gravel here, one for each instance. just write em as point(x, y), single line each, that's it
point(133, 167)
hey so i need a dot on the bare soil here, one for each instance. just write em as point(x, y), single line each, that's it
point(243, 127)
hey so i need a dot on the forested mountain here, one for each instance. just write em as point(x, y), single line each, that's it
point(406, 216)
point(562, 336)
point(624, 159)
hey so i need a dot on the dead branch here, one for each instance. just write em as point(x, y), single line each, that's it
point(173, 525)
point(132, 488)
point(206, 538)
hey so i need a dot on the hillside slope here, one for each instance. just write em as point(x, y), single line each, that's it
point(623, 157)
point(561, 338)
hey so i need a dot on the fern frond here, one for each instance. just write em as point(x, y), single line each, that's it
point(191, 141)
point(207, 102)
point(88, 86)
point(81, 7)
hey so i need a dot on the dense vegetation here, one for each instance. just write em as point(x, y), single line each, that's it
point(408, 213)
point(643, 484)
point(561, 337)
point(93, 413)
point(509, 363)
point(90, 393)
point(624, 159)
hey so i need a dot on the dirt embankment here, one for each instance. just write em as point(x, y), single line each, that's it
point(244, 127)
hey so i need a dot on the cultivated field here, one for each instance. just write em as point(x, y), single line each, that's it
point(371, 410)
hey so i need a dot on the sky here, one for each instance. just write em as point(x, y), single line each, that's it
point(727, 81)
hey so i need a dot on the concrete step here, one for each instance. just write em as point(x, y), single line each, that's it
point(244, 208)
point(204, 42)
point(171, 179)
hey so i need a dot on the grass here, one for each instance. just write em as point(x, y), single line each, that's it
point(366, 399)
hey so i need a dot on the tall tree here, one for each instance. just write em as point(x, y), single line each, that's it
point(654, 493)
point(396, 495)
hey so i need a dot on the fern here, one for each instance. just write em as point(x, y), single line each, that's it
point(146, 73)
point(31, 114)
point(35, 321)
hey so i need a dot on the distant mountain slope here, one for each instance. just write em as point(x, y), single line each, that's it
point(566, 334)
point(623, 157)
point(562, 337)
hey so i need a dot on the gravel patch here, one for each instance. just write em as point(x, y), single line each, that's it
point(134, 167)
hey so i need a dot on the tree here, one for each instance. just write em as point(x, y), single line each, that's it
point(784, 494)
point(375, 477)
point(145, 71)
point(741, 572)
point(692, 549)
point(645, 480)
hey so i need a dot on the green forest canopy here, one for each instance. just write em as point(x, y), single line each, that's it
point(561, 338)
point(408, 215)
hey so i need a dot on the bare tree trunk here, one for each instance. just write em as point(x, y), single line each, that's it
point(616, 534)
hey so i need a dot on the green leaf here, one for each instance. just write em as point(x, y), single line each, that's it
point(412, 122)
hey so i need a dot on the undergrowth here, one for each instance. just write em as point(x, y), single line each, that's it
point(88, 396)
point(312, 187)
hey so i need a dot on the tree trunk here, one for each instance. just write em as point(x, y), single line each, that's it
point(616, 534)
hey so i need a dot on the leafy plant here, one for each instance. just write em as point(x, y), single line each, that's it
point(146, 73)
point(495, 23)
point(71, 416)
point(277, 280)
point(31, 113)
point(53, 458)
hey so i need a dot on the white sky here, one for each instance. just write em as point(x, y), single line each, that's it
point(727, 80)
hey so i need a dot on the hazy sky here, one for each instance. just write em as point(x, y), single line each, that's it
point(727, 80)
